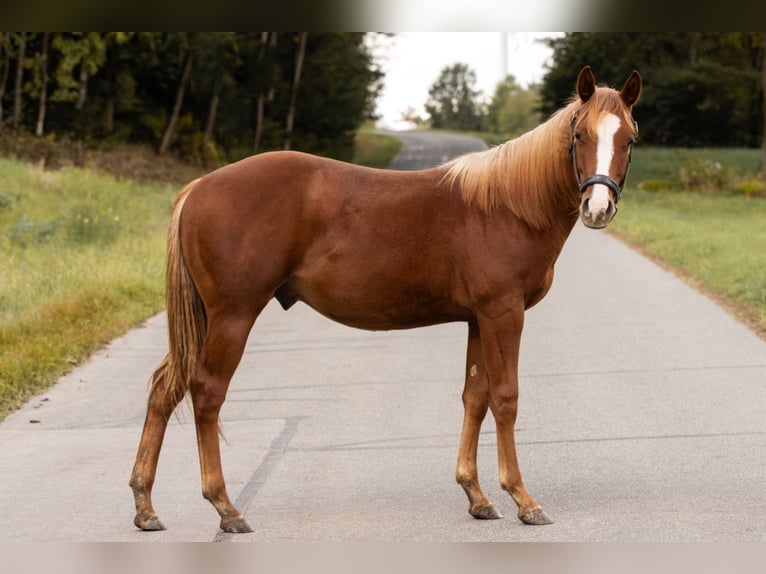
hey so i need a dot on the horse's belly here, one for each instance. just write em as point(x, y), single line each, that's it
point(376, 303)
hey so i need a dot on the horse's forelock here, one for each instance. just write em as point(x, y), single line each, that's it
point(604, 100)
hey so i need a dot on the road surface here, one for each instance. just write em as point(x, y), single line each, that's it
point(428, 149)
point(642, 418)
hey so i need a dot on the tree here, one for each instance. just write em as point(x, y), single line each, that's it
point(266, 92)
point(701, 88)
point(453, 100)
point(513, 109)
point(18, 86)
point(6, 46)
point(192, 92)
point(412, 116)
point(339, 84)
point(43, 87)
point(300, 55)
point(186, 68)
point(216, 71)
point(81, 56)
point(763, 95)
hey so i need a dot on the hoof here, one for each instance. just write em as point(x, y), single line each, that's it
point(148, 523)
point(488, 512)
point(236, 525)
point(535, 517)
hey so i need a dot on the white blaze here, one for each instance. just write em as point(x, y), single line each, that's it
point(607, 128)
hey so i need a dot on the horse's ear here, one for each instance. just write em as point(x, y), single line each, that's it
point(586, 84)
point(632, 89)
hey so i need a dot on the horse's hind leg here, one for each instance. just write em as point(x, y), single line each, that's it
point(476, 403)
point(221, 352)
point(158, 412)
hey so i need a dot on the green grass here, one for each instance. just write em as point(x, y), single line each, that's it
point(655, 163)
point(81, 261)
point(718, 241)
point(375, 150)
point(703, 213)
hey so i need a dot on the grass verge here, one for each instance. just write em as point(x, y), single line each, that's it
point(374, 149)
point(714, 241)
point(81, 261)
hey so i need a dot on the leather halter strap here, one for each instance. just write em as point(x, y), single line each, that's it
point(598, 177)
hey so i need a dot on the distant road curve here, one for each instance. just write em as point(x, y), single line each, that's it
point(422, 150)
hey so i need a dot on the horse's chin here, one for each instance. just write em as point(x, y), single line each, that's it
point(598, 219)
point(591, 224)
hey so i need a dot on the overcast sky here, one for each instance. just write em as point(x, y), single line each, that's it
point(413, 61)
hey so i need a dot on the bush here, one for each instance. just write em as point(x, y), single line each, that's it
point(750, 187)
point(655, 185)
point(88, 224)
point(25, 232)
point(701, 174)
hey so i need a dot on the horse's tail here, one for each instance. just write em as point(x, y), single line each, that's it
point(187, 320)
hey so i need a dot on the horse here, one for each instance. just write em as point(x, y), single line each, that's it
point(473, 240)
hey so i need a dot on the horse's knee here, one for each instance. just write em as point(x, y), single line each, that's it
point(505, 408)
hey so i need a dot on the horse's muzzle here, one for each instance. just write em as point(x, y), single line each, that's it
point(598, 209)
point(597, 218)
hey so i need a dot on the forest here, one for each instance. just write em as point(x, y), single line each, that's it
point(702, 89)
point(214, 97)
point(209, 96)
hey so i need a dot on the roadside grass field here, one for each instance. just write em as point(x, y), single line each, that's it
point(81, 261)
point(703, 214)
point(375, 149)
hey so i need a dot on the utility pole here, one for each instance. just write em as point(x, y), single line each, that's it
point(503, 55)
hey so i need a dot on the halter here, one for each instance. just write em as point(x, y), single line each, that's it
point(598, 177)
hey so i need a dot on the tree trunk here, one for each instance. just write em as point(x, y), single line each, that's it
point(258, 123)
point(43, 100)
point(6, 72)
point(301, 52)
point(109, 115)
point(165, 142)
point(763, 143)
point(82, 91)
point(211, 113)
point(18, 83)
point(694, 40)
point(268, 40)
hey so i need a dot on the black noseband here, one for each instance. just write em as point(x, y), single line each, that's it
point(598, 177)
point(603, 179)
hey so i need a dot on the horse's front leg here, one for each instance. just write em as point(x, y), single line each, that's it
point(500, 340)
point(475, 403)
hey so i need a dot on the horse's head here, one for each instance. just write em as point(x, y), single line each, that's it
point(603, 133)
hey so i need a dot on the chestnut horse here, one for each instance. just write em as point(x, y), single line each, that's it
point(474, 240)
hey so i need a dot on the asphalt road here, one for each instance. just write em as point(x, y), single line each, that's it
point(641, 419)
point(426, 149)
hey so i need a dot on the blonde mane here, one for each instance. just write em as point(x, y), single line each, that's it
point(531, 175)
